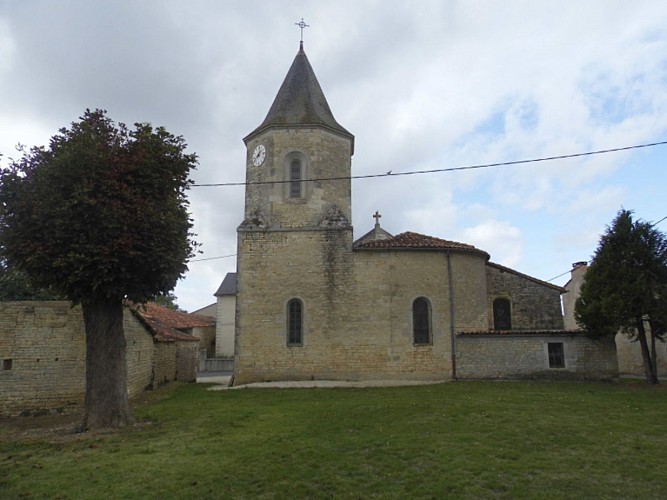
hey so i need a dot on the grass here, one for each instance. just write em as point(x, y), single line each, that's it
point(460, 440)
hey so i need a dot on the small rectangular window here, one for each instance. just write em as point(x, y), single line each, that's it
point(556, 355)
point(6, 364)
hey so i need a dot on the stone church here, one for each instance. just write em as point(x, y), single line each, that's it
point(314, 303)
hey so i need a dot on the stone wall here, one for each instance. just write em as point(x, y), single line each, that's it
point(357, 308)
point(534, 305)
point(46, 344)
point(139, 354)
point(525, 356)
point(322, 154)
point(630, 360)
point(186, 361)
point(43, 357)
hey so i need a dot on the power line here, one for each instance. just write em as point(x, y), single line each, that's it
point(438, 170)
point(569, 270)
point(213, 258)
point(549, 280)
point(656, 223)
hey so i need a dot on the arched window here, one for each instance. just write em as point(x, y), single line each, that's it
point(421, 321)
point(502, 314)
point(294, 322)
point(295, 179)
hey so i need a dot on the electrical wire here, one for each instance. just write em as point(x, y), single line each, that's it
point(439, 170)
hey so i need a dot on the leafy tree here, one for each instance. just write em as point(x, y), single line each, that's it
point(101, 217)
point(167, 300)
point(625, 288)
point(15, 285)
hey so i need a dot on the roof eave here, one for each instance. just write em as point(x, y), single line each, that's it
point(342, 132)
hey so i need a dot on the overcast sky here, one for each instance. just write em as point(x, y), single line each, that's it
point(422, 85)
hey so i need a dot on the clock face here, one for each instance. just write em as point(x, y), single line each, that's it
point(259, 155)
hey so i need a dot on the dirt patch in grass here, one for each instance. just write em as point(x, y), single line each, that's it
point(65, 426)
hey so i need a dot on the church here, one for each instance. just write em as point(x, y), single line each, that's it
point(314, 303)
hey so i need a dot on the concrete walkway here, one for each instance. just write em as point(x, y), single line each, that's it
point(221, 383)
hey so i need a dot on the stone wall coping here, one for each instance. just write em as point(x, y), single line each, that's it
point(521, 333)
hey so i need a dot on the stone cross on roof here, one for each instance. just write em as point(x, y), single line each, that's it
point(377, 216)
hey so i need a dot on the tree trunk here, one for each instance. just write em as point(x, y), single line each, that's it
point(651, 377)
point(106, 368)
point(654, 353)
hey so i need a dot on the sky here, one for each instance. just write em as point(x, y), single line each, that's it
point(425, 85)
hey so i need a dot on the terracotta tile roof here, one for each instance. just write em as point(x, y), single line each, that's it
point(412, 241)
point(525, 276)
point(165, 323)
point(473, 333)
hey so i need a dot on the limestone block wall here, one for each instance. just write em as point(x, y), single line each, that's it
point(274, 267)
point(534, 306)
point(43, 356)
point(43, 351)
point(186, 361)
point(630, 361)
point(139, 354)
point(357, 308)
point(323, 154)
point(224, 325)
point(526, 356)
point(164, 363)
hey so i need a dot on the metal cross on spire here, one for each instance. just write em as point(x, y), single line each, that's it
point(302, 25)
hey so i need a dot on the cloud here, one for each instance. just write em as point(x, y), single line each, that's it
point(426, 85)
point(500, 238)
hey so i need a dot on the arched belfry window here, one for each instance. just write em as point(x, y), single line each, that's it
point(294, 322)
point(502, 314)
point(295, 177)
point(421, 321)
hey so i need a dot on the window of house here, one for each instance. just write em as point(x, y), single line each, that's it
point(502, 314)
point(295, 179)
point(421, 321)
point(556, 355)
point(294, 322)
point(6, 364)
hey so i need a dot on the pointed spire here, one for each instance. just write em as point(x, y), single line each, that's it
point(300, 101)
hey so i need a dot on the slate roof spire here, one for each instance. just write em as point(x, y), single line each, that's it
point(300, 102)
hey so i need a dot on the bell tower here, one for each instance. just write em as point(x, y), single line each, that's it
point(298, 160)
point(295, 260)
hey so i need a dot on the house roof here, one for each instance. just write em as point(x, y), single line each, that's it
point(228, 285)
point(300, 102)
point(416, 241)
point(165, 323)
point(525, 276)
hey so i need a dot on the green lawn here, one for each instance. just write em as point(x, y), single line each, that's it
point(461, 440)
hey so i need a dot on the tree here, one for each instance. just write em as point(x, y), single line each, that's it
point(101, 217)
point(168, 300)
point(15, 285)
point(625, 287)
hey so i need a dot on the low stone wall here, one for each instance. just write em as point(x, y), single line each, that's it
point(525, 356)
point(43, 357)
point(186, 361)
